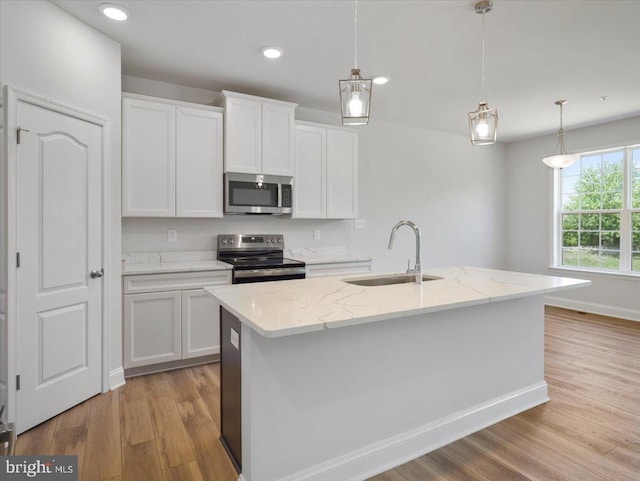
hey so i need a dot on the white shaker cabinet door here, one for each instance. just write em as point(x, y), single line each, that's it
point(243, 135)
point(200, 324)
point(148, 158)
point(278, 139)
point(199, 162)
point(152, 328)
point(342, 174)
point(309, 185)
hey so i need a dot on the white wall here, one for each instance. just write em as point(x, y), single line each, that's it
point(454, 192)
point(48, 52)
point(529, 217)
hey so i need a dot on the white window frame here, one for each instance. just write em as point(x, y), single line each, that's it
point(625, 218)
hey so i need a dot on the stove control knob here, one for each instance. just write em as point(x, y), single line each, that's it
point(268, 241)
point(232, 240)
point(224, 241)
point(279, 240)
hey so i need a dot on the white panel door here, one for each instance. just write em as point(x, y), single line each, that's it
point(200, 324)
point(152, 328)
point(342, 174)
point(278, 139)
point(148, 158)
point(309, 186)
point(242, 136)
point(59, 238)
point(198, 163)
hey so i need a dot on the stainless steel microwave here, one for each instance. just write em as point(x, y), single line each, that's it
point(257, 194)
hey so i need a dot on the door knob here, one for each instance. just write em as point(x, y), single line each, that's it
point(97, 273)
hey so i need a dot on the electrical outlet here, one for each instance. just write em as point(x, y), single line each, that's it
point(235, 339)
point(359, 223)
point(172, 235)
point(316, 234)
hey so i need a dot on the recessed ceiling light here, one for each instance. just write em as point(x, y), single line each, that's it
point(272, 52)
point(381, 79)
point(114, 12)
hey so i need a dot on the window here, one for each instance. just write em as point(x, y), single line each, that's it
point(598, 212)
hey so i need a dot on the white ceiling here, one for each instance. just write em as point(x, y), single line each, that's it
point(536, 52)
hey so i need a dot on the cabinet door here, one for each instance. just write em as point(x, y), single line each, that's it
point(151, 328)
point(278, 139)
point(342, 174)
point(148, 159)
point(242, 136)
point(198, 163)
point(200, 324)
point(309, 185)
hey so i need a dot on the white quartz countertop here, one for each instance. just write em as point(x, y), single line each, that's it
point(324, 255)
point(284, 308)
point(170, 262)
point(171, 267)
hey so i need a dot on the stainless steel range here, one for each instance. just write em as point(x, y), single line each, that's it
point(258, 258)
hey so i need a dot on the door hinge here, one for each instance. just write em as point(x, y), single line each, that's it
point(18, 382)
point(17, 259)
point(18, 133)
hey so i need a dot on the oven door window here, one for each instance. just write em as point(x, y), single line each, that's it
point(249, 194)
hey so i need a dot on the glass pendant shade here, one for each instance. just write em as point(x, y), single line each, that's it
point(355, 99)
point(483, 125)
point(562, 158)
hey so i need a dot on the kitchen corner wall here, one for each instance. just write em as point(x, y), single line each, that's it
point(529, 199)
point(49, 53)
point(455, 193)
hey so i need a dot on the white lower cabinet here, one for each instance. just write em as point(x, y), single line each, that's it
point(152, 323)
point(168, 323)
point(200, 333)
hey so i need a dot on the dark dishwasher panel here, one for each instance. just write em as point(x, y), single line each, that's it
point(230, 388)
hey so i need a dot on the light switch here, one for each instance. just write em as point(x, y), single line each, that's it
point(359, 223)
point(235, 339)
point(172, 235)
point(316, 234)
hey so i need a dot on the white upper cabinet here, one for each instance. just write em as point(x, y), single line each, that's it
point(278, 138)
point(198, 163)
point(310, 183)
point(172, 158)
point(148, 158)
point(259, 135)
point(326, 181)
point(342, 174)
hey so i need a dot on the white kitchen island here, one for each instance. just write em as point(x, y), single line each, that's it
point(341, 382)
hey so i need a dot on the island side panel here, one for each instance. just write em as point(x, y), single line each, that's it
point(348, 403)
point(230, 386)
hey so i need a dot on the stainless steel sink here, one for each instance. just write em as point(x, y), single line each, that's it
point(387, 280)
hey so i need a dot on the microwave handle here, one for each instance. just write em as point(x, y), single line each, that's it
point(279, 194)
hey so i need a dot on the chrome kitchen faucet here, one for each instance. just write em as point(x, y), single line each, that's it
point(417, 270)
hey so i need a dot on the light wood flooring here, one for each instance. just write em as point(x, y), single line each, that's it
point(165, 427)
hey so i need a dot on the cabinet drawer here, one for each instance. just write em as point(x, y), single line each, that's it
point(176, 281)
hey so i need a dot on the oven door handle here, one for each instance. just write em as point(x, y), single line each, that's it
point(269, 272)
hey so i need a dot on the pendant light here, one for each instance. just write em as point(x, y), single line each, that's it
point(355, 92)
point(483, 123)
point(561, 159)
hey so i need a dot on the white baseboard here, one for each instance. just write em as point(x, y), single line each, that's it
point(116, 378)
point(592, 307)
point(387, 454)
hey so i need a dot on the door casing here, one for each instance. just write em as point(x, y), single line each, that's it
point(11, 96)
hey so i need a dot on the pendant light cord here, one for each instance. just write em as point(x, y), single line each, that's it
point(355, 34)
point(483, 55)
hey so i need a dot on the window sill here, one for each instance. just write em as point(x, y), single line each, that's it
point(627, 276)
